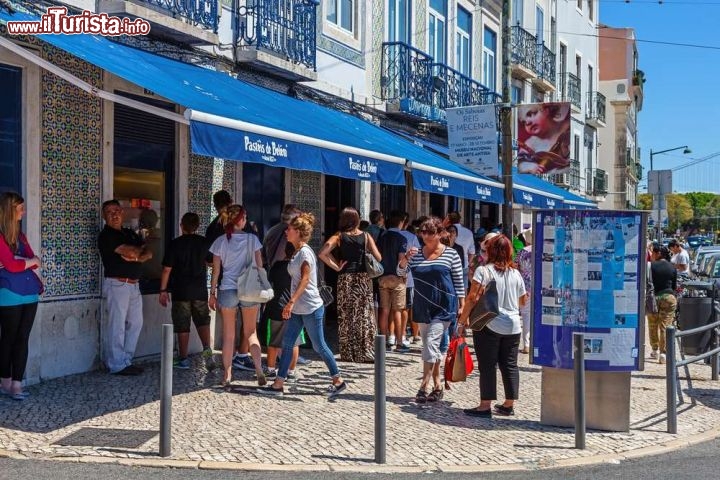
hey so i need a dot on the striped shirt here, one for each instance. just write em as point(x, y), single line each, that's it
point(438, 285)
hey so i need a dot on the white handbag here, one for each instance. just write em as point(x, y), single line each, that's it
point(253, 285)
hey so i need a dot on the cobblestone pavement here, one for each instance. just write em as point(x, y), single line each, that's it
point(64, 418)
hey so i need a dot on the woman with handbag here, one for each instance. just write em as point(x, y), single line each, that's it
point(356, 319)
point(304, 308)
point(663, 276)
point(20, 289)
point(231, 253)
point(498, 342)
point(439, 299)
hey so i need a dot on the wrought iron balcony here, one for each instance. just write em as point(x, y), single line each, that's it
point(574, 174)
point(198, 12)
point(600, 182)
point(423, 88)
point(546, 64)
point(286, 28)
point(524, 49)
point(595, 107)
point(571, 92)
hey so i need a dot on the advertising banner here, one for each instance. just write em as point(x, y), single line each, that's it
point(588, 276)
point(473, 138)
point(543, 132)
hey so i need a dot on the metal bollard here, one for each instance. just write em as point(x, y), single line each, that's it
point(671, 379)
point(714, 358)
point(579, 344)
point(380, 400)
point(166, 378)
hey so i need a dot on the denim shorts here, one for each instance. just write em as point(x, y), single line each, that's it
point(229, 299)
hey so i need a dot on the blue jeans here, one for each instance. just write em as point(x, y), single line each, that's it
point(313, 323)
point(450, 331)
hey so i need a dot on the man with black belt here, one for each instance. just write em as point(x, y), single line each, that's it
point(122, 252)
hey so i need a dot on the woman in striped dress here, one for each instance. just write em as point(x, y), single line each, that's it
point(439, 299)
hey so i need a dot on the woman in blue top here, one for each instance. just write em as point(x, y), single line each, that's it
point(20, 289)
point(304, 308)
point(439, 299)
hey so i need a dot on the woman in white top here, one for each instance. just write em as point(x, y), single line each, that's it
point(498, 343)
point(230, 254)
point(304, 308)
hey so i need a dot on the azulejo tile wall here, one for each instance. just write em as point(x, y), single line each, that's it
point(71, 183)
point(306, 193)
point(207, 175)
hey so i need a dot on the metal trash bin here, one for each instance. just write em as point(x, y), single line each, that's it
point(695, 309)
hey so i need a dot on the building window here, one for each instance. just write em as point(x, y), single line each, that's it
point(539, 25)
point(517, 12)
point(463, 41)
point(516, 95)
point(399, 26)
point(436, 30)
point(342, 14)
point(579, 5)
point(489, 62)
point(10, 129)
point(591, 8)
point(576, 148)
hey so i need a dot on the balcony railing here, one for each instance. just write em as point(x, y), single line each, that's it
point(572, 91)
point(546, 64)
point(574, 174)
point(407, 73)
point(600, 182)
point(596, 106)
point(284, 27)
point(524, 48)
point(425, 88)
point(199, 12)
point(589, 181)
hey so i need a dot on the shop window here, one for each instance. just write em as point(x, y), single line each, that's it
point(10, 129)
point(392, 197)
point(263, 194)
point(144, 159)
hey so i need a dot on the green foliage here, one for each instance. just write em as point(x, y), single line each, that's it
point(645, 201)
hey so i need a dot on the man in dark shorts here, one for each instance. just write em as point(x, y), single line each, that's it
point(185, 272)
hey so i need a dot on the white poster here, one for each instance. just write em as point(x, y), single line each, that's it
point(473, 138)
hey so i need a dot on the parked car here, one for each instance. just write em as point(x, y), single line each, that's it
point(711, 267)
point(700, 255)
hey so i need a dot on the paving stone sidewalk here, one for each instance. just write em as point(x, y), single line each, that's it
point(68, 417)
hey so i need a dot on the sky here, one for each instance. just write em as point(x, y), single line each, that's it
point(682, 88)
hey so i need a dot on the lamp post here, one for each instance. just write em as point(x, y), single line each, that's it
point(661, 194)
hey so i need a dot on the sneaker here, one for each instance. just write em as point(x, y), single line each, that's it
point(406, 343)
point(654, 354)
point(182, 364)
point(661, 358)
point(335, 390)
point(270, 390)
point(243, 363)
point(303, 361)
point(291, 377)
point(391, 340)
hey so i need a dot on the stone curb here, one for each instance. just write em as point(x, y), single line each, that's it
point(386, 469)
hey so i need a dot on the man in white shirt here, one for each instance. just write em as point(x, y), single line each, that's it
point(465, 238)
point(680, 258)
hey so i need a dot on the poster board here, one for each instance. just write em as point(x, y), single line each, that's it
point(589, 276)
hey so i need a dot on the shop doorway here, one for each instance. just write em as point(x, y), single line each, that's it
point(437, 205)
point(392, 197)
point(263, 194)
point(143, 180)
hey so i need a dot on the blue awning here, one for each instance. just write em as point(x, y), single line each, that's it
point(232, 119)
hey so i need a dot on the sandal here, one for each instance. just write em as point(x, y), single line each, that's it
point(421, 396)
point(435, 395)
point(262, 381)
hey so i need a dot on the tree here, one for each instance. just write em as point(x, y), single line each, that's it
point(645, 201)
point(679, 210)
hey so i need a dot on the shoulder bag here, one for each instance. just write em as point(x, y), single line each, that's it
point(325, 290)
point(458, 363)
point(487, 306)
point(373, 268)
point(651, 305)
point(253, 285)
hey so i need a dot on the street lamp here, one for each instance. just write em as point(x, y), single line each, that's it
point(658, 223)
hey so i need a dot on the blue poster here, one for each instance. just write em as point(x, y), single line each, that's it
point(588, 277)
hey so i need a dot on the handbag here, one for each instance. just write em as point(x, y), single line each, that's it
point(651, 305)
point(487, 306)
point(458, 363)
point(373, 268)
point(253, 285)
point(325, 290)
point(21, 283)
